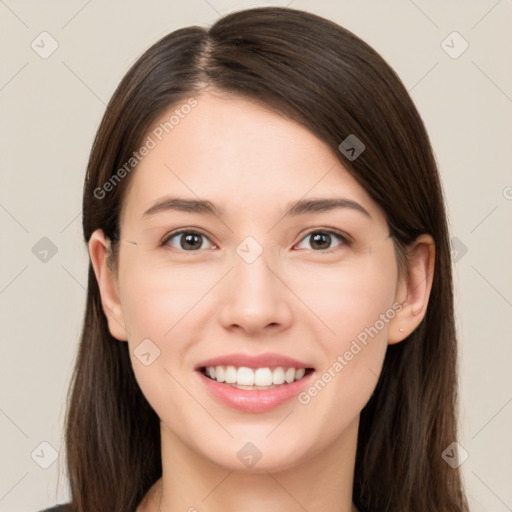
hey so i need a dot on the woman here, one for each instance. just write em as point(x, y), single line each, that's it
point(269, 316)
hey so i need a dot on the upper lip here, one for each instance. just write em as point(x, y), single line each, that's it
point(266, 360)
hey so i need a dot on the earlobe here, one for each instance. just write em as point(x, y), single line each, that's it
point(413, 291)
point(107, 283)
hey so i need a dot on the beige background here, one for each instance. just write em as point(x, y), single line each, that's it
point(50, 109)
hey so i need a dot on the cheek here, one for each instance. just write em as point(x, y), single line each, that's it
point(159, 305)
point(357, 305)
point(354, 303)
point(347, 298)
point(154, 312)
point(154, 302)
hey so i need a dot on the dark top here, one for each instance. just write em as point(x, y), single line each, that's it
point(58, 508)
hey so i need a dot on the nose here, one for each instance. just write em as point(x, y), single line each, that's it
point(255, 299)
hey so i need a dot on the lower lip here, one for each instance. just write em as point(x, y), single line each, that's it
point(257, 400)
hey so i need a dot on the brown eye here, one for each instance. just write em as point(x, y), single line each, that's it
point(188, 240)
point(322, 239)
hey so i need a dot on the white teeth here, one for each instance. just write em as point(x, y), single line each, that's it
point(263, 377)
point(300, 373)
point(247, 378)
point(219, 374)
point(278, 376)
point(230, 375)
point(290, 374)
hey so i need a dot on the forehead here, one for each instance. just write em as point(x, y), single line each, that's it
point(241, 155)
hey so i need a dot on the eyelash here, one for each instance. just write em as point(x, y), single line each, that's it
point(345, 240)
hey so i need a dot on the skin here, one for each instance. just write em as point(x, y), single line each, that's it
point(294, 299)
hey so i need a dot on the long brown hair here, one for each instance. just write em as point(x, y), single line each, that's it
point(323, 76)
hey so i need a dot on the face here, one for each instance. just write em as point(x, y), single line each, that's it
point(319, 286)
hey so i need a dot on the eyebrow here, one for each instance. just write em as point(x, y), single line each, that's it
point(295, 208)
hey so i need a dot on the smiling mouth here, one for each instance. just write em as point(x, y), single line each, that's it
point(257, 379)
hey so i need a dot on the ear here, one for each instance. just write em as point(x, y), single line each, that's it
point(413, 289)
point(107, 283)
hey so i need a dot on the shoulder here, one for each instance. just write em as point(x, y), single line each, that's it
point(58, 508)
